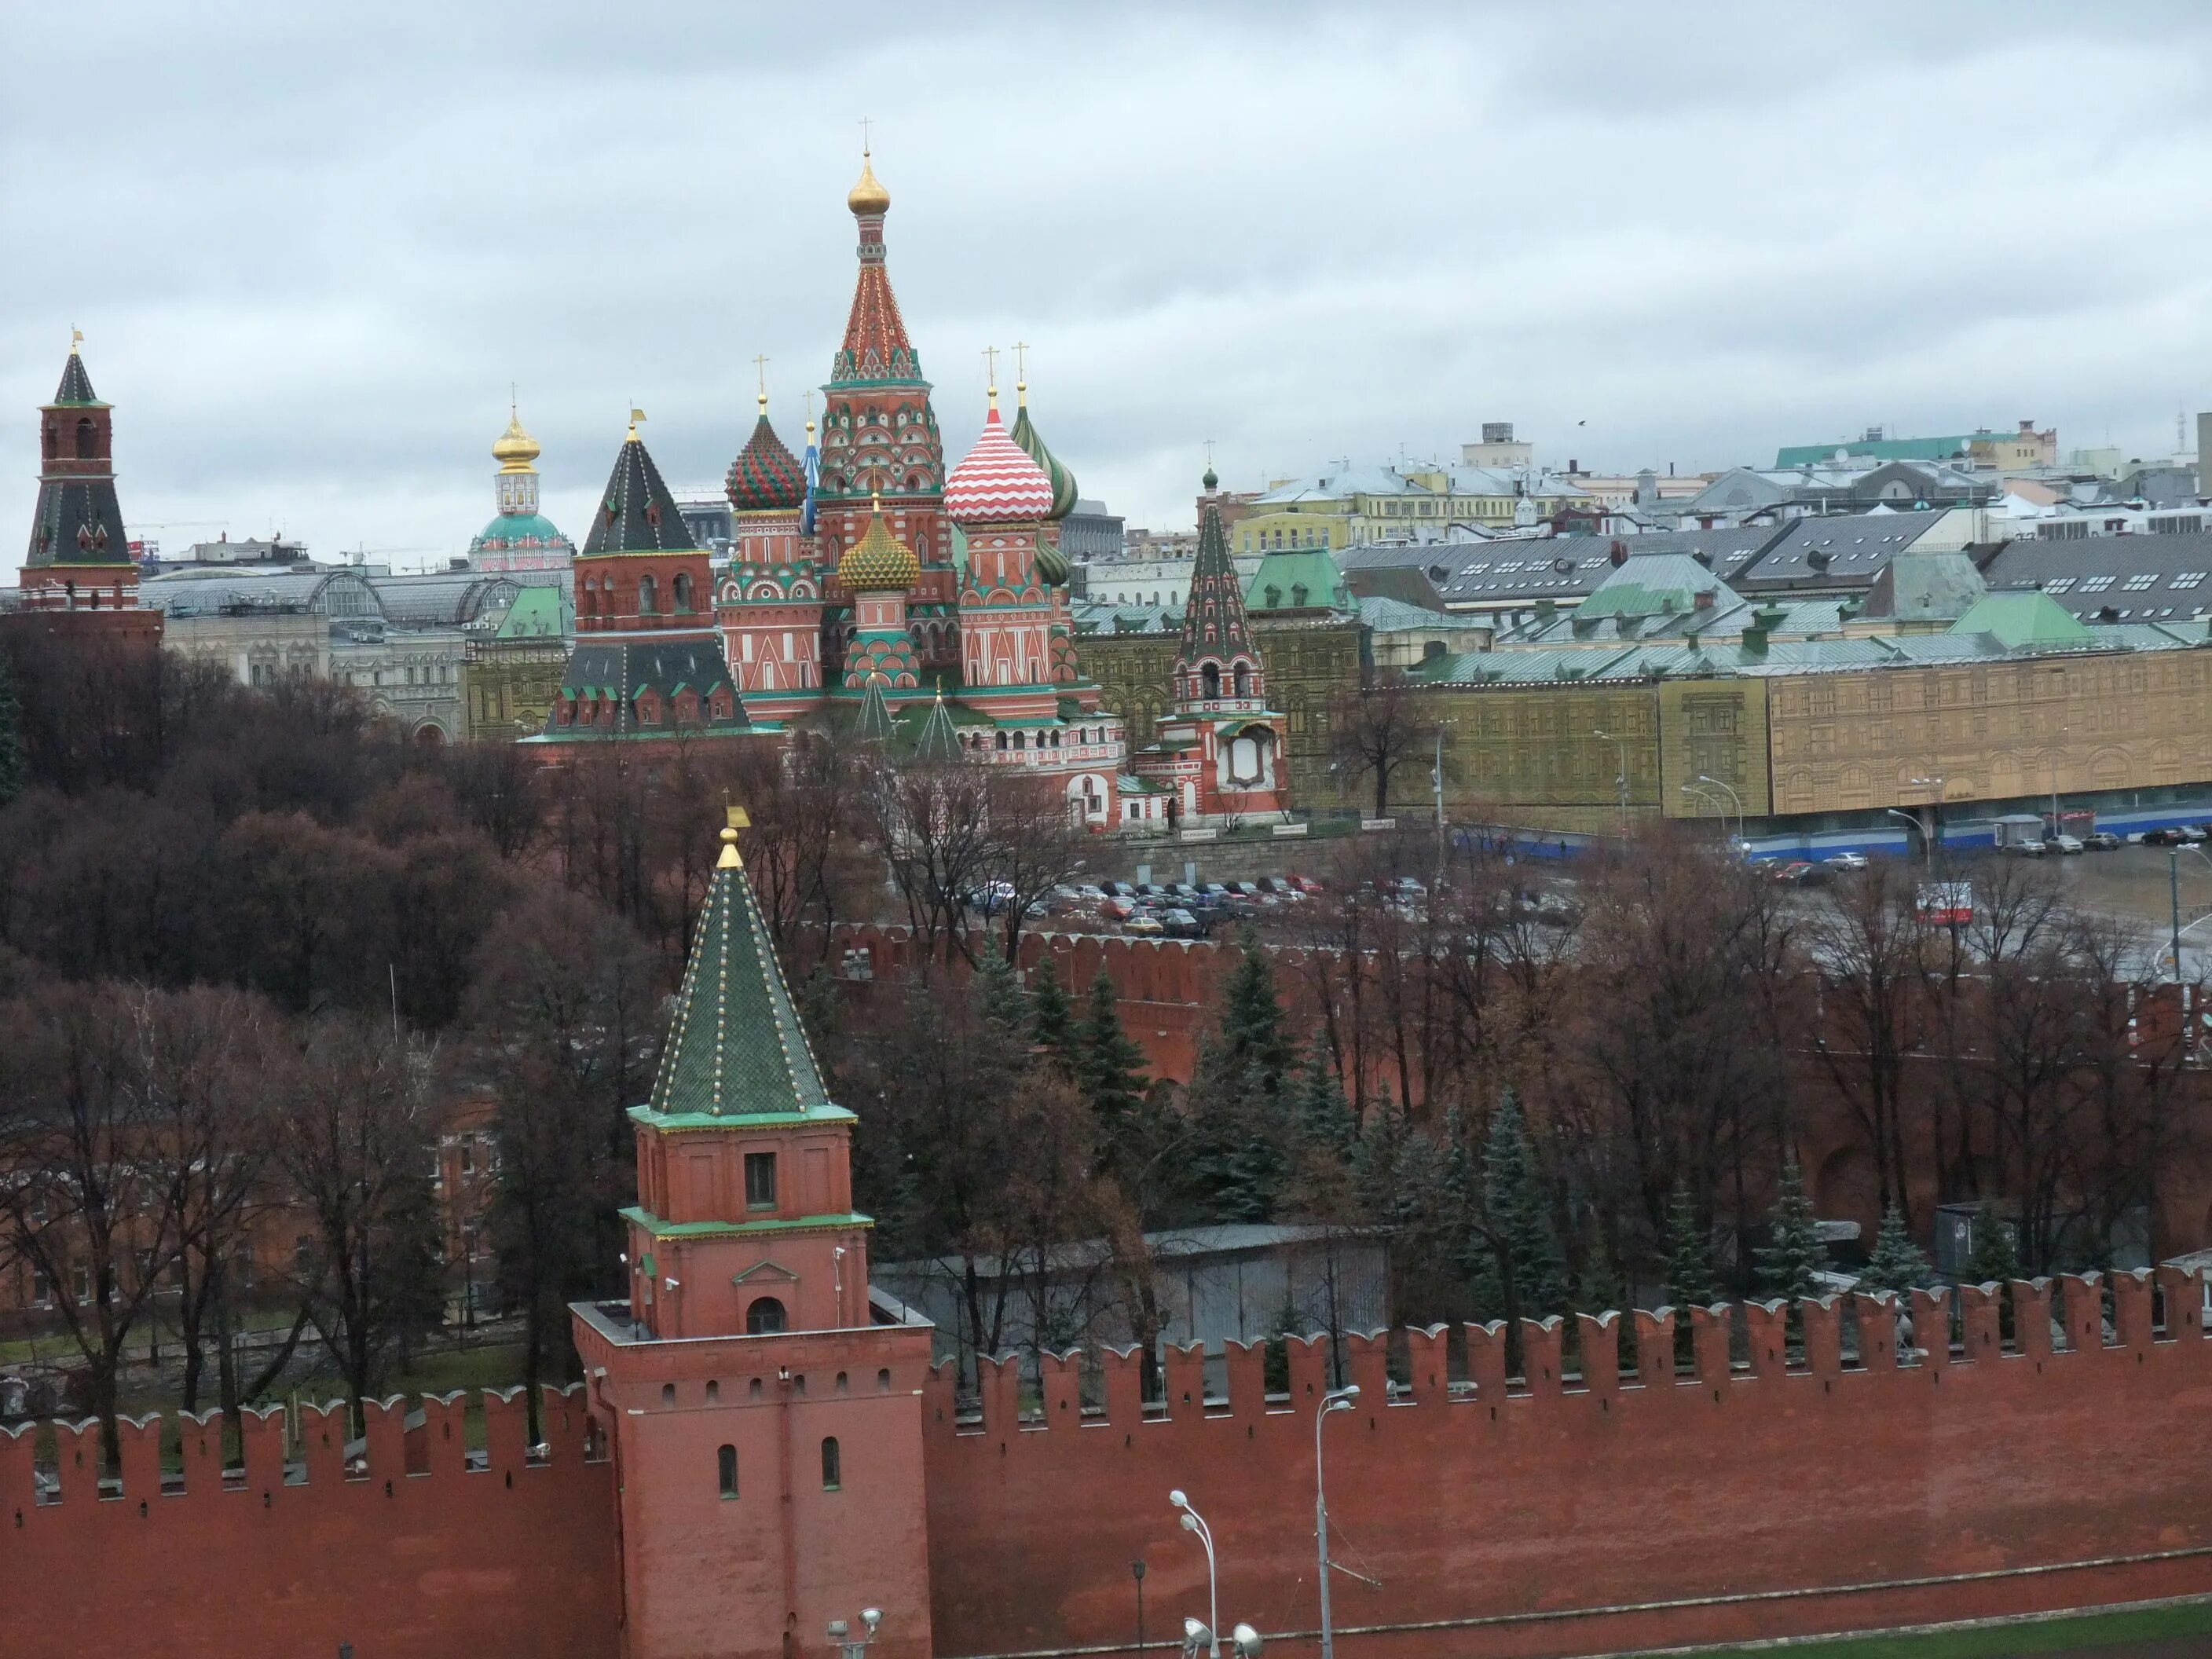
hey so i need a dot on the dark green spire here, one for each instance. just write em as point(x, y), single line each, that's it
point(736, 1048)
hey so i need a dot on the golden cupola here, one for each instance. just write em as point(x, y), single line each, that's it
point(868, 198)
point(515, 449)
point(879, 562)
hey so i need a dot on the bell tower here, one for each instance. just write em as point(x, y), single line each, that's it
point(762, 1406)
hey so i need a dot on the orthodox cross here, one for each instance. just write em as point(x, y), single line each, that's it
point(760, 367)
point(991, 362)
point(863, 137)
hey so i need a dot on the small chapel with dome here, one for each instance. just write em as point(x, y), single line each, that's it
point(520, 538)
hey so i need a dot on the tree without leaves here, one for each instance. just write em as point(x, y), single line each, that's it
point(1376, 732)
point(91, 1203)
point(352, 1147)
point(12, 768)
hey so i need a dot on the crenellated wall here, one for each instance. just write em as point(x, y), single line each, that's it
point(400, 1548)
point(1595, 1508)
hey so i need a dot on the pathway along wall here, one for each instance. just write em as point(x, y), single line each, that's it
point(410, 1552)
point(1600, 1512)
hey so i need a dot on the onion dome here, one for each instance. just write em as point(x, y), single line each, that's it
point(867, 197)
point(1063, 481)
point(1051, 566)
point(766, 476)
point(1211, 482)
point(515, 449)
point(879, 562)
point(997, 482)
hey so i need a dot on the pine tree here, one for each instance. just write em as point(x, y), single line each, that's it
point(1052, 1020)
point(999, 996)
point(1518, 1212)
point(11, 736)
point(1896, 1263)
point(1111, 1066)
point(1376, 1156)
point(1600, 1291)
point(1460, 1201)
point(1690, 1281)
point(1320, 1116)
point(1995, 1256)
point(1793, 1254)
point(1252, 1034)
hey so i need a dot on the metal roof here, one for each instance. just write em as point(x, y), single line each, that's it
point(2138, 579)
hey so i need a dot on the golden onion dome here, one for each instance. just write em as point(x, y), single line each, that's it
point(868, 196)
point(515, 448)
point(879, 562)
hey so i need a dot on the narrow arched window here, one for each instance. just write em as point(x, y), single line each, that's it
point(725, 1467)
point(833, 1472)
point(883, 1381)
point(668, 1394)
point(88, 440)
point(1243, 679)
point(1209, 679)
point(683, 591)
point(648, 597)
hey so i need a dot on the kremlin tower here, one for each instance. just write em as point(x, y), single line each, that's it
point(520, 538)
point(648, 659)
point(1219, 750)
point(78, 577)
point(770, 601)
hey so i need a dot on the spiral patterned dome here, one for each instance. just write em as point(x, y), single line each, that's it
point(766, 476)
point(879, 562)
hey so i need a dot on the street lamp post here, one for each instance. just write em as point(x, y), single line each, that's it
point(1336, 1399)
point(1927, 843)
point(841, 1634)
point(1718, 784)
point(1938, 783)
point(1192, 1522)
point(1137, 1572)
point(1621, 778)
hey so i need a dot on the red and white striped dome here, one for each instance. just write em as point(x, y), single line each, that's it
point(997, 482)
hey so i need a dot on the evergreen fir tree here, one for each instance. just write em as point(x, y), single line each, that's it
point(1230, 1177)
point(1995, 1257)
point(1460, 1201)
point(1690, 1281)
point(1052, 1019)
point(1321, 1116)
point(999, 996)
point(1896, 1263)
point(1600, 1289)
point(1252, 1034)
point(1375, 1157)
point(1518, 1211)
point(1793, 1255)
point(11, 736)
point(1111, 1071)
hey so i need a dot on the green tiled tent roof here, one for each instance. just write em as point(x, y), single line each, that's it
point(2015, 619)
point(736, 1048)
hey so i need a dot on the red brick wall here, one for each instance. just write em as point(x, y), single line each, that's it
point(1611, 1513)
point(420, 1559)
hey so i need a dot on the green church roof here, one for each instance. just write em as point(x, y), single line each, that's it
point(520, 530)
point(736, 1048)
point(2024, 617)
point(1285, 573)
point(537, 613)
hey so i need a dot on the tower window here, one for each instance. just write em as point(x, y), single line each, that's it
point(1209, 679)
point(764, 1317)
point(725, 1468)
point(668, 1394)
point(760, 1180)
point(683, 591)
point(832, 1465)
point(88, 440)
point(648, 597)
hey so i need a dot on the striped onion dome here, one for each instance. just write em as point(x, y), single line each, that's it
point(766, 476)
point(996, 483)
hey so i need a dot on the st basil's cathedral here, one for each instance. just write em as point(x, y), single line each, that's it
point(866, 586)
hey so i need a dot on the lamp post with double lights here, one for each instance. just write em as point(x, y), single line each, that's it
point(1336, 1399)
point(841, 1634)
point(1621, 778)
point(1938, 783)
point(1244, 1639)
point(1729, 789)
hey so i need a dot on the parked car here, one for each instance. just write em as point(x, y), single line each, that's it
point(1145, 924)
point(1802, 872)
point(1845, 862)
point(1242, 889)
point(2101, 840)
point(1306, 885)
point(2063, 843)
point(1117, 909)
point(1182, 924)
point(1214, 890)
point(2023, 849)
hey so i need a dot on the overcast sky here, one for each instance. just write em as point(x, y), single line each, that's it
point(310, 245)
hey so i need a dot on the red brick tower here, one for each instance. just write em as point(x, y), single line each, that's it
point(1220, 749)
point(764, 1411)
point(769, 604)
point(879, 437)
point(78, 577)
point(647, 662)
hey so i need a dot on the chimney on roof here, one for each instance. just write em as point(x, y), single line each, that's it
point(1704, 558)
point(1702, 600)
point(1618, 553)
point(1647, 487)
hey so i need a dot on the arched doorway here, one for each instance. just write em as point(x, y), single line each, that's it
point(764, 1316)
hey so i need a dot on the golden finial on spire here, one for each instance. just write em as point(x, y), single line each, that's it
point(1021, 374)
point(809, 410)
point(734, 818)
point(635, 416)
point(867, 197)
point(760, 366)
point(77, 338)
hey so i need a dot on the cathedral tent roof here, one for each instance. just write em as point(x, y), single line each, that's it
point(76, 390)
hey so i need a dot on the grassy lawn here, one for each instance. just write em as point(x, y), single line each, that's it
point(2083, 1634)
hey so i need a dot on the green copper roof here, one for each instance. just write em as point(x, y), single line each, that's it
point(537, 613)
point(1304, 580)
point(520, 530)
point(660, 1229)
point(2015, 619)
point(736, 1048)
point(1657, 584)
